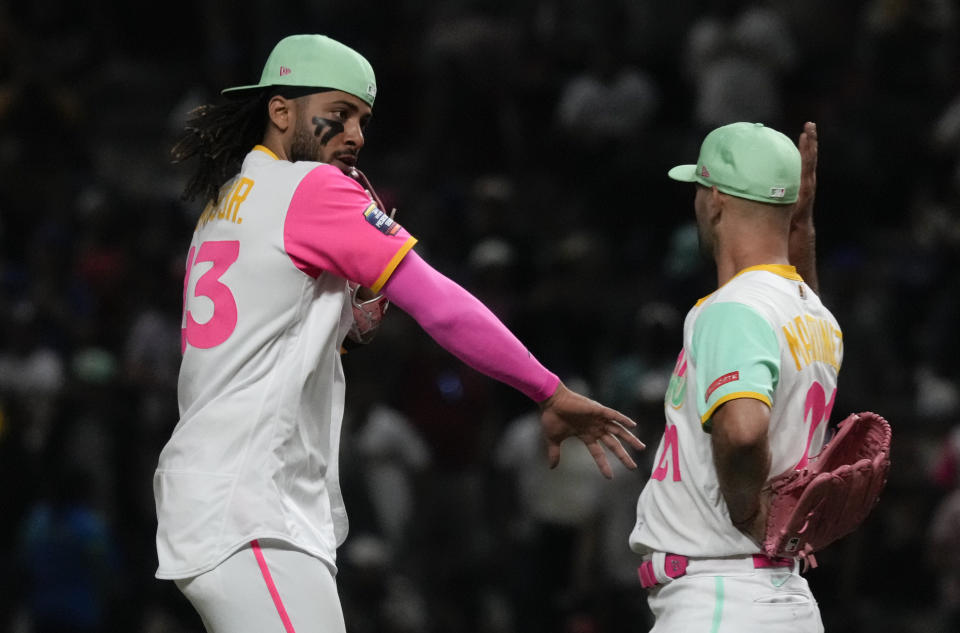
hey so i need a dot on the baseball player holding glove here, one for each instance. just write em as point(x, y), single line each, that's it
point(286, 262)
point(741, 494)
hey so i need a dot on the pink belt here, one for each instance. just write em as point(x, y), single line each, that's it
point(675, 565)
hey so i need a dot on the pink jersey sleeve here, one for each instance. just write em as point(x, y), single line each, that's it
point(332, 225)
point(466, 328)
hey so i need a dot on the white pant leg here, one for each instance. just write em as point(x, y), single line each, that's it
point(288, 591)
point(768, 600)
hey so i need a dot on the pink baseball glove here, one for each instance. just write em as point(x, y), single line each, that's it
point(826, 500)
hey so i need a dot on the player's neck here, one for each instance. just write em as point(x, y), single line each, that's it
point(275, 142)
point(748, 234)
point(744, 254)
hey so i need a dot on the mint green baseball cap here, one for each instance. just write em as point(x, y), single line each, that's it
point(747, 160)
point(316, 61)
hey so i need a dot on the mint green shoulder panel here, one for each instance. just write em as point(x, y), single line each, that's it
point(736, 354)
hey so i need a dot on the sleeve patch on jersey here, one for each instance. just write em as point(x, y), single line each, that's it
point(380, 220)
point(719, 382)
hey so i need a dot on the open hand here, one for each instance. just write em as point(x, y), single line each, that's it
point(569, 414)
point(808, 144)
point(802, 249)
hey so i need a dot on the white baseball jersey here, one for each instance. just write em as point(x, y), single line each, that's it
point(762, 335)
point(261, 387)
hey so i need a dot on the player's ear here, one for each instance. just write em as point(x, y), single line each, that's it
point(715, 205)
point(280, 111)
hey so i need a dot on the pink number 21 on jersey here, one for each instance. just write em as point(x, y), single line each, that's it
point(817, 409)
point(222, 323)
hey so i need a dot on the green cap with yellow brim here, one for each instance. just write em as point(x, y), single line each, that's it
point(316, 61)
point(746, 160)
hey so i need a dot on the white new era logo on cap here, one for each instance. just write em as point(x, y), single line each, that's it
point(777, 192)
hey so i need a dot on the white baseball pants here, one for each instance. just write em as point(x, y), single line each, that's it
point(267, 587)
point(732, 596)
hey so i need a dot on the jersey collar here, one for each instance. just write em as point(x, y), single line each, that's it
point(783, 270)
point(266, 150)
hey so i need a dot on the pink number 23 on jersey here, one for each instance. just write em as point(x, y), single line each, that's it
point(222, 323)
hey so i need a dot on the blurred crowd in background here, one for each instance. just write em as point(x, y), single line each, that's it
point(525, 143)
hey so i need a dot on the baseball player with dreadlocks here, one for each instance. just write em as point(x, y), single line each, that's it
point(248, 501)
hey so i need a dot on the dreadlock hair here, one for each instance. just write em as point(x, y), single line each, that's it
point(222, 134)
point(219, 136)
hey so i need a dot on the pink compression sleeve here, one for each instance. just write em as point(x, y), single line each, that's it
point(466, 328)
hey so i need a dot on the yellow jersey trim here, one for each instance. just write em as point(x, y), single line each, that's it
point(392, 265)
point(783, 270)
point(734, 396)
point(265, 150)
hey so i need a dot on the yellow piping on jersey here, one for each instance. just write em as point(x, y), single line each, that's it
point(734, 396)
point(265, 150)
point(392, 265)
point(783, 270)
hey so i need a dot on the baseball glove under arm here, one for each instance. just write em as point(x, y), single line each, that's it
point(812, 507)
point(368, 312)
point(367, 315)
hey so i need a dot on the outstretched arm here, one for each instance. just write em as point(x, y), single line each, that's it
point(466, 328)
point(802, 251)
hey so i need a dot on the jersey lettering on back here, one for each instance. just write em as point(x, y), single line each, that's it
point(755, 337)
point(228, 207)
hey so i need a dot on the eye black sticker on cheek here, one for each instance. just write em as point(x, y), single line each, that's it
point(336, 127)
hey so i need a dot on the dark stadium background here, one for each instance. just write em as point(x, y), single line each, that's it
point(525, 144)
